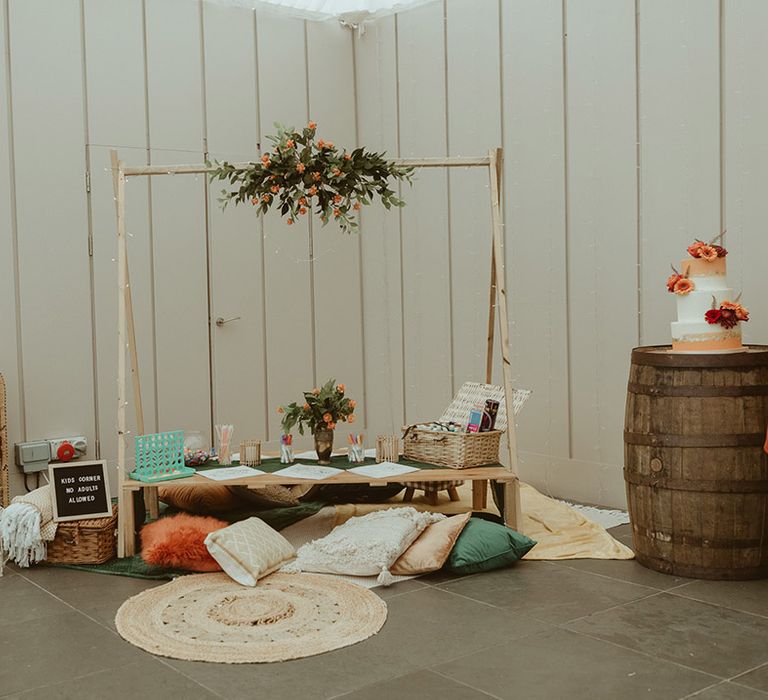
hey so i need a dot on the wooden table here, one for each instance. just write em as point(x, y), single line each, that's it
point(479, 476)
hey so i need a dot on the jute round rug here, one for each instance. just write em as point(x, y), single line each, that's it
point(209, 617)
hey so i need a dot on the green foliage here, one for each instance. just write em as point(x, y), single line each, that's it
point(319, 405)
point(300, 174)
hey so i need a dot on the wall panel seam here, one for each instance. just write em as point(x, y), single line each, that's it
point(566, 200)
point(449, 218)
point(310, 218)
point(360, 238)
point(400, 218)
point(150, 216)
point(14, 223)
point(89, 215)
point(638, 180)
point(721, 112)
point(207, 223)
point(265, 345)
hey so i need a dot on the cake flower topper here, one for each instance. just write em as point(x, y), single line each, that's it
point(728, 314)
point(679, 284)
point(708, 251)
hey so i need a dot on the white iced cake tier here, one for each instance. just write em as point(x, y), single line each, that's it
point(691, 332)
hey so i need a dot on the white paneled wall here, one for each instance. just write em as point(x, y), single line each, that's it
point(629, 127)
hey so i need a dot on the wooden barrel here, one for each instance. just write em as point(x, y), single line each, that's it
point(694, 465)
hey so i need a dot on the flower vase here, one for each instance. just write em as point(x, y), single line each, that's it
point(324, 446)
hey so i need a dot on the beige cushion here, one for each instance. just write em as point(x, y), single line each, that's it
point(430, 551)
point(249, 550)
point(272, 496)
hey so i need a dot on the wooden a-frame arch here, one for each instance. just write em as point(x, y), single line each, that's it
point(126, 335)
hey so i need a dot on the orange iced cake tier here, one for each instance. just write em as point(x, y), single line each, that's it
point(691, 332)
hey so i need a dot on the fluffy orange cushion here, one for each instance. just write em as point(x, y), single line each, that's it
point(431, 549)
point(178, 542)
point(216, 498)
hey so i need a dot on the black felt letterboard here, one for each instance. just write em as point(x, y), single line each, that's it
point(80, 490)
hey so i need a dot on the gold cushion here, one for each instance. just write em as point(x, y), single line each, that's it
point(204, 500)
point(431, 549)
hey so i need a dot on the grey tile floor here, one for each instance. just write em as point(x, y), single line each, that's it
point(571, 630)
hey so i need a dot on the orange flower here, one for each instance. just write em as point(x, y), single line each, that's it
point(327, 417)
point(672, 281)
point(356, 206)
point(300, 168)
point(312, 191)
point(321, 143)
point(266, 197)
point(708, 253)
point(275, 189)
point(312, 125)
point(315, 391)
point(302, 201)
point(683, 286)
point(351, 418)
point(352, 403)
point(289, 222)
point(289, 143)
point(341, 388)
point(255, 201)
point(306, 406)
point(265, 160)
point(302, 211)
point(317, 177)
point(741, 313)
point(337, 213)
point(331, 426)
point(693, 249)
point(347, 156)
point(280, 409)
point(336, 198)
point(329, 144)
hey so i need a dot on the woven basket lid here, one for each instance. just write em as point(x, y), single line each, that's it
point(473, 393)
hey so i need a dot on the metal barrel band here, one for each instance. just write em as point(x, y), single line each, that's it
point(697, 485)
point(727, 440)
point(697, 391)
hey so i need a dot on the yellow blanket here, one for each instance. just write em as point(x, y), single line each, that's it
point(560, 531)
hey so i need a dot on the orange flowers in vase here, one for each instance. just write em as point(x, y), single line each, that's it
point(321, 410)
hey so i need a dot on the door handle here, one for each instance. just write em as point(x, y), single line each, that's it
point(220, 321)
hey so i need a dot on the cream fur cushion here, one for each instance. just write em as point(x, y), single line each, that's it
point(432, 548)
point(249, 550)
point(364, 546)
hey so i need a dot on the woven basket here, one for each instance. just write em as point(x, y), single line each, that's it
point(84, 541)
point(464, 450)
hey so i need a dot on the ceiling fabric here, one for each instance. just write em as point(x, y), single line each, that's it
point(352, 10)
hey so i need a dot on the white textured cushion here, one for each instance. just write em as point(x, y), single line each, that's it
point(364, 546)
point(249, 550)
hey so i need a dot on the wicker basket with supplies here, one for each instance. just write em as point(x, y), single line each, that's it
point(463, 450)
point(84, 541)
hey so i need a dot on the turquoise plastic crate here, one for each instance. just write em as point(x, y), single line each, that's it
point(160, 457)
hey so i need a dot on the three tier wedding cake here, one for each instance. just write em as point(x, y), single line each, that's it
point(709, 318)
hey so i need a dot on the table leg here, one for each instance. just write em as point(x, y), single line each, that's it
point(513, 510)
point(453, 494)
point(152, 502)
point(126, 526)
point(408, 495)
point(479, 495)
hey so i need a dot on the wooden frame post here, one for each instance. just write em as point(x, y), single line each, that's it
point(126, 329)
point(512, 502)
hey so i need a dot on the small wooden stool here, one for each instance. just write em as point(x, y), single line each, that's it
point(431, 490)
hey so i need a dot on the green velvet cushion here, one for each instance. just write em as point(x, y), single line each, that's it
point(484, 546)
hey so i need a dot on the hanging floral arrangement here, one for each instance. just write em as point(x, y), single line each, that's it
point(301, 174)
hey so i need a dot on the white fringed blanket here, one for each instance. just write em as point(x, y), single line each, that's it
point(25, 527)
